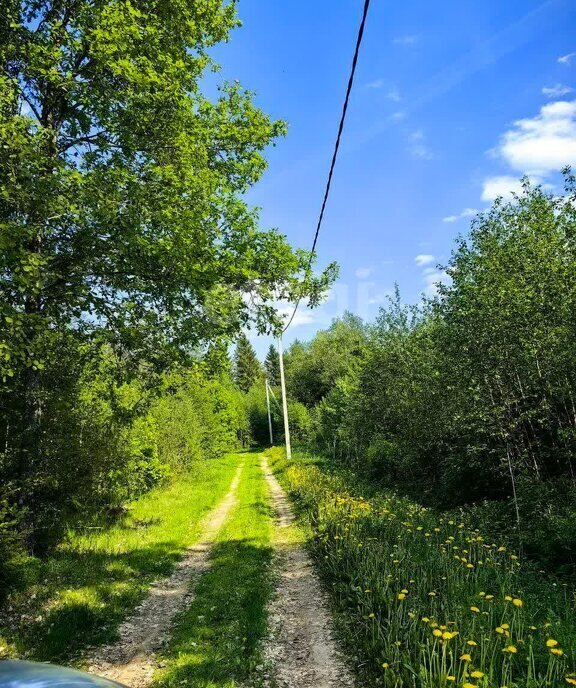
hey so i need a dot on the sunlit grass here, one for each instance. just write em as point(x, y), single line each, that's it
point(78, 595)
point(218, 640)
point(425, 601)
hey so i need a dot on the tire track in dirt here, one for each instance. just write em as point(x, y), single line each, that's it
point(131, 659)
point(301, 650)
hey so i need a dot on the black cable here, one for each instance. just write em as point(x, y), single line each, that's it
point(336, 147)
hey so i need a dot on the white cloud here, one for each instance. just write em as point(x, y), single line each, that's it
point(432, 278)
point(566, 59)
point(410, 39)
point(380, 297)
point(364, 273)
point(394, 95)
point(303, 316)
point(504, 186)
point(556, 91)
point(467, 212)
point(417, 146)
point(424, 259)
point(377, 83)
point(543, 144)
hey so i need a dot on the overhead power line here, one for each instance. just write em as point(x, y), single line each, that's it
point(336, 148)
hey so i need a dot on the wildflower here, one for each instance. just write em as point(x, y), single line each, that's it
point(401, 596)
point(432, 594)
point(511, 649)
point(532, 628)
point(477, 674)
point(465, 657)
point(475, 610)
point(551, 642)
point(385, 665)
point(508, 598)
point(481, 594)
point(371, 615)
point(404, 591)
point(448, 635)
point(469, 566)
point(425, 619)
point(469, 685)
point(472, 643)
point(489, 597)
point(505, 627)
point(557, 651)
point(517, 602)
point(437, 632)
point(453, 678)
point(501, 549)
point(513, 556)
point(499, 629)
point(571, 680)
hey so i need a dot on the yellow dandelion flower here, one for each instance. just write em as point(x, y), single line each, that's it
point(472, 643)
point(437, 632)
point(401, 596)
point(481, 594)
point(517, 602)
point(465, 657)
point(513, 556)
point(469, 685)
point(453, 678)
point(475, 610)
point(499, 629)
point(448, 635)
point(557, 651)
point(469, 566)
point(477, 674)
point(385, 665)
point(432, 594)
point(404, 591)
point(571, 680)
point(505, 626)
point(551, 642)
point(511, 649)
point(425, 619)
point(508, 598)
point(371, 615)
point(489, 597)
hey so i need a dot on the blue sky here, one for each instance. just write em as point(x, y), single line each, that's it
point(453, 102)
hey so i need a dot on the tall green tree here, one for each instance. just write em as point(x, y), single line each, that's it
point(121, 212)
point(247, 368)
point(119, 180)
point(272, 366)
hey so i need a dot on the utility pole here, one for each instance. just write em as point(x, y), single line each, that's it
point(284, 401)
point(269, 414)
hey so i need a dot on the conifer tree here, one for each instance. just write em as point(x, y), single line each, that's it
point(272, 366)
point(247, 368)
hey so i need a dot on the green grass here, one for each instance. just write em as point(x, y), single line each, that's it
point(425, 601)
point(78, 595)
point(218, 641)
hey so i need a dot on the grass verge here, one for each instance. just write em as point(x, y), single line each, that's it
point(217, 642)
point(78, 595)
point(427, 602)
